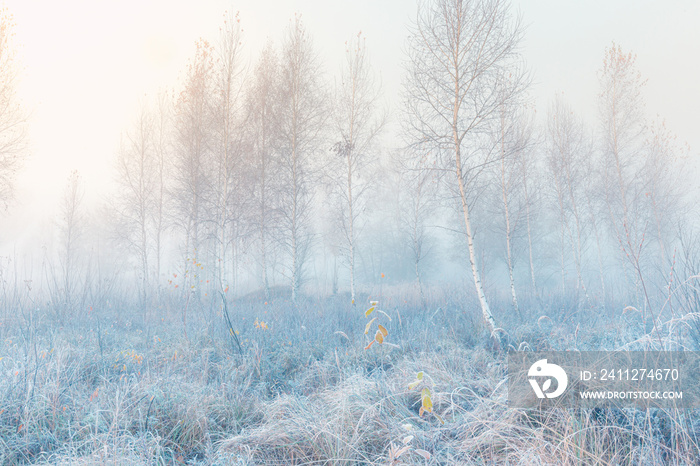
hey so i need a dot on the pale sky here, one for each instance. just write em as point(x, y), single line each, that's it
point(88, 64)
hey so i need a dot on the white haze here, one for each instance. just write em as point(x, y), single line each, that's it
point(88, 64)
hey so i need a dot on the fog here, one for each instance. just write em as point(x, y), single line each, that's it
point(494, 176)
point(81, 95)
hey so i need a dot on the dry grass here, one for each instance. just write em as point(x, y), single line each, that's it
point(139, 393)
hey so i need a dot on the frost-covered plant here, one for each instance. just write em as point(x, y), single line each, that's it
point(396, 451)
point(381, 332)
point(426, 382)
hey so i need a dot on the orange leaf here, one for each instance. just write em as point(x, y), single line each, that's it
point(379, 337)
point(382, 329)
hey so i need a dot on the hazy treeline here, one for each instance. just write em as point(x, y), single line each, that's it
point(277, 172)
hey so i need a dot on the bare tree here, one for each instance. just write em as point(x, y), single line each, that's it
point(228, 116)
point(622, 123)
point(137, 170)
point(596, 214)
point(71, 229)
point(514, 136)
point(193, 144)
point(418, 203)
point(162, 134)
point(13, 119)
point(263, 121)
point(528, 169)
point(568, 152)
point(459, 52)
point(666, 179)
point(357, 123)
point(302, 119)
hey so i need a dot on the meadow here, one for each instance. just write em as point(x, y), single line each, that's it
point(116, 386)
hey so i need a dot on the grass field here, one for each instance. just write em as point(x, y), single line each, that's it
point(123, 387)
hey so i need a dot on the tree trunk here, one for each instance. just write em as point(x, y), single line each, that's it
point(351, 233)
point(295, 277)
point(507, 218)
point(485, 309)
point(529, 240)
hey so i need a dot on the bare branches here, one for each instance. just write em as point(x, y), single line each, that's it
point(302, 120)
point(459, 54)
point(357, 122)
point(13, 119)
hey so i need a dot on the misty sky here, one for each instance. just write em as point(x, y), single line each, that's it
point(88, 63)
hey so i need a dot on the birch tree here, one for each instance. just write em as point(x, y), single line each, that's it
point(357, 123)
point(71, 230)
point(514, 138)
point(263, 121)
point(162, 147)
point(622, 126)
point(228, 195)
point(192, 147)
point(666, 182)
point(303, 115)
point(137, 170)
point(459, 51)
point(528, 170)
point(568, 151)
point(418, 203)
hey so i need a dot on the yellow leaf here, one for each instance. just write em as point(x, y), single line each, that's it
point(369, 311)
point(368, 325)
point(413, 384)
point(382, 329)
point(427, 404)
point(379, 337)
point(419, 375)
